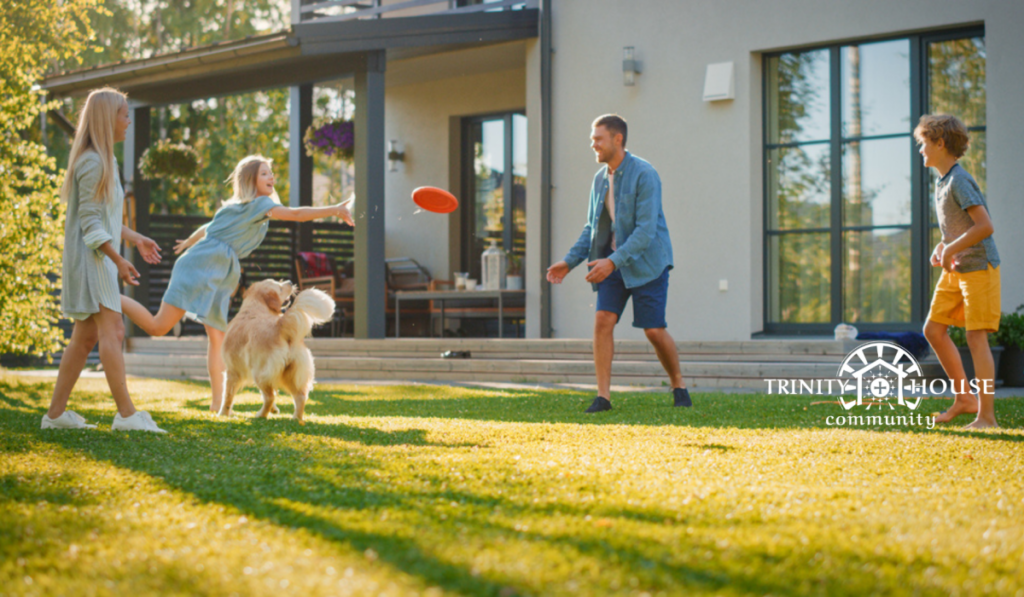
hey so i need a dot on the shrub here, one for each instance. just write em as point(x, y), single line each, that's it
point(1011, 329)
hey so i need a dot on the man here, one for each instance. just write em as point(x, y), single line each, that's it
point(626, 245)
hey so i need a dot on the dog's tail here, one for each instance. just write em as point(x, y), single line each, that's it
point(311, 307)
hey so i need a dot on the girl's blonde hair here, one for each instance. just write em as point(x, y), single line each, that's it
point(95, 132)
point(243, 180)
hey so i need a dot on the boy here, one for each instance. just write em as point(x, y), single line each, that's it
point(967, 294)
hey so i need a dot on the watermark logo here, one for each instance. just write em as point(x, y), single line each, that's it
point(886, 379)
point(880, 370)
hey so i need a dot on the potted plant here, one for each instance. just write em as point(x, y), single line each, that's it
point(166, 160)
point(514, 272)
point(959, 336)
point(1011, 337)
point(327, 137)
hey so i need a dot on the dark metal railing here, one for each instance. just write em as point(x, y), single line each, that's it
point(346, 10)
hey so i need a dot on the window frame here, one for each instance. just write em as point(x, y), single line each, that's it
point(920, 225)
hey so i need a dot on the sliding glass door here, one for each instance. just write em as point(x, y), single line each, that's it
point(494, 187)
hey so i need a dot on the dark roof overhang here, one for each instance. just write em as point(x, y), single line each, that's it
point(306, 53)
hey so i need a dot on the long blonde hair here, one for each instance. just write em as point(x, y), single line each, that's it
point(243, 180)
point(95, 132)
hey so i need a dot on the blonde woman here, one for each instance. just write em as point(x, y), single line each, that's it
point(92, 264)
point(206, 276)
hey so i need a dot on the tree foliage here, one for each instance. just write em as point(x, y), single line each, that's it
point(34, 35)
point(222, 130)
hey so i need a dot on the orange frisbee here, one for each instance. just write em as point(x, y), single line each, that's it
point(435, 200)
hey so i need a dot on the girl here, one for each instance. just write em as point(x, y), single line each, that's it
point(206, 276)
point(92, 265)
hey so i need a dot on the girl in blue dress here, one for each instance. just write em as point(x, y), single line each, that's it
point(207, 275)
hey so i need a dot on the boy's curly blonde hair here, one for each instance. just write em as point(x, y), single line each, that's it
point(946, 127)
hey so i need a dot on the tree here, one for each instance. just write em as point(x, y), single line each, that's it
point(222, 130)
point(36, 34)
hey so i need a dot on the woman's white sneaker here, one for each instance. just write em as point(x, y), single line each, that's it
point(69, 419)
point(140, 421)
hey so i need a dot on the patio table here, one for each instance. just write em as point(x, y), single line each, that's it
point(442, 295)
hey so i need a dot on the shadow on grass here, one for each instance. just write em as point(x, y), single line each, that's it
point(35, 488)
point(267, 470)
point(284, 485)
point(338, 499)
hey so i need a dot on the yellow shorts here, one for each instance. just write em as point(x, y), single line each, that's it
point(969, 300)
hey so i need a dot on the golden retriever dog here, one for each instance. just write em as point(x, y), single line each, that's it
point(266, 345)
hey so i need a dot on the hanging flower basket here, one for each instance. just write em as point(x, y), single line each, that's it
point(165, 160)
point(331, 137)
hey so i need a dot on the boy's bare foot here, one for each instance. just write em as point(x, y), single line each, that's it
point(965, 404)
point(980, 423)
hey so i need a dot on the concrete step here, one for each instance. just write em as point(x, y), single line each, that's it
point(519, 348)
point(709, 373)
point(745, 364)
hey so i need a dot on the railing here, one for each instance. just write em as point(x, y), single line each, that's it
point(275, 257)
point(304, 11)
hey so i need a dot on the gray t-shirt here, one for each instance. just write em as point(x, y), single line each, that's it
point(955, 192)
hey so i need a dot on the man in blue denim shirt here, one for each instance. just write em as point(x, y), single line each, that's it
point(626, 245)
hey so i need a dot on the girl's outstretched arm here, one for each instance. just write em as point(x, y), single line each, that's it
point(195, 237)
point(305, 214)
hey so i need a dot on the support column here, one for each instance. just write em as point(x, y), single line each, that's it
point(136, 142)
point(300, 166)
point(370, 296)
point(545, 169)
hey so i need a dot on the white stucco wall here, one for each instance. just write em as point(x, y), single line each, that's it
point(417, 115)
point(709, 154)
point(534, 268)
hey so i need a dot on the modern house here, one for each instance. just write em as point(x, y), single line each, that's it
point(781, 130)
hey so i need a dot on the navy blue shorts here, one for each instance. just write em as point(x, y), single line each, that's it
point(648, 300)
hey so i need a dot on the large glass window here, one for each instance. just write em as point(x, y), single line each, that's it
point(848, 230)
point(799, 188)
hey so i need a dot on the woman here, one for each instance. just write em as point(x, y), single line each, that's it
point(92, 264)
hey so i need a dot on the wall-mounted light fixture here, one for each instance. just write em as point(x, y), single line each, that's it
point(394, 156)
point(630, 66)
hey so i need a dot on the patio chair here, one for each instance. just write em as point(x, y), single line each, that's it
point(326, 281)
point(405, 273)
point(402, 273)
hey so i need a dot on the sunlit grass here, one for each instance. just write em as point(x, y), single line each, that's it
point(446, 490)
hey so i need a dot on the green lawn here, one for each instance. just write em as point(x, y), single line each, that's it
point(444, 490)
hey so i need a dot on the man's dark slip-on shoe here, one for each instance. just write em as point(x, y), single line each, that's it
point(600, 404)
point(455, 354)
point(681, 397)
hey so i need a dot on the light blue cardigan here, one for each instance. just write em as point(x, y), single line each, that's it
point(644, 249)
